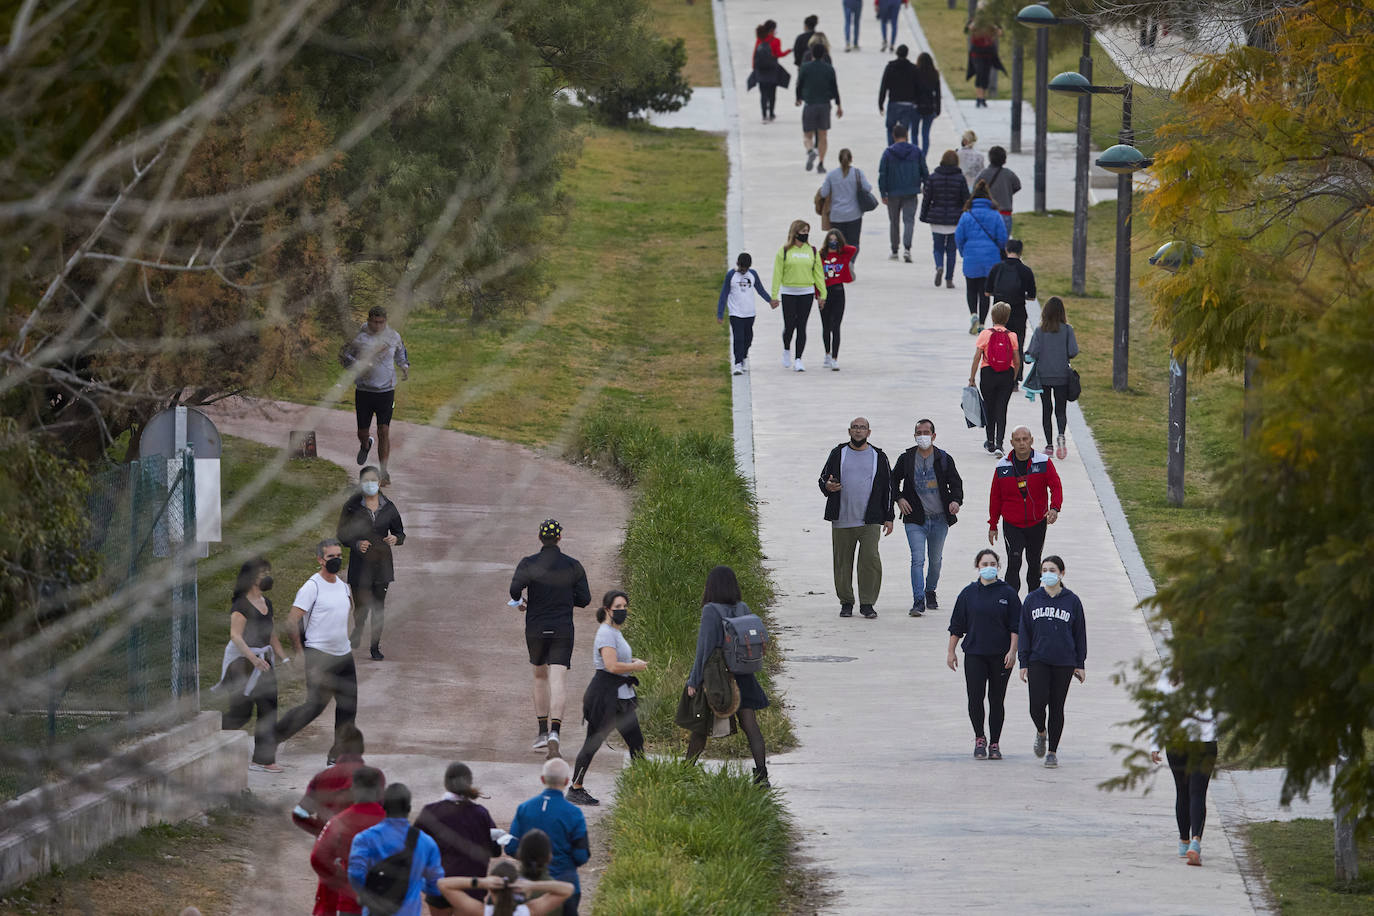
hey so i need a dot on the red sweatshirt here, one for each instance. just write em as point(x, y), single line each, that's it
point(1023, 500)
point(836, 265)
point(329, 858)
point(329, 792)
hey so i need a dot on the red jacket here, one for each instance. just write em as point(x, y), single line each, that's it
point(1024, 500)
point(329, 792)
point(329, 858)
point(836, 265)
point(774, 45)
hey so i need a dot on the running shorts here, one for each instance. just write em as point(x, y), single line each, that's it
point(549, 650)
point(367, 403)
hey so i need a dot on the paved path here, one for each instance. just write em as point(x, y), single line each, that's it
point(883, 785)
point(455, 684)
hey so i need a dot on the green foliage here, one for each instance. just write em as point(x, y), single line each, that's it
point(685, 840)
point(1296, 857)
point(654, 82)
point(692, 512)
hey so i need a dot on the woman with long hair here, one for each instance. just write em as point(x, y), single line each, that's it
point(1052, 649)
point(508, 894)
point(250, 659)
point(1053, 345)
point(980, 237)
point(927, 100)
point(460, 826)
point(610, 701)
point(841, 187)
point(982, 56)
point(986, 616)
point(799, 276)
point(836, 256)
point(767, 70)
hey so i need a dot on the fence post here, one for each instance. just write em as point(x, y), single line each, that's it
point(185, 684)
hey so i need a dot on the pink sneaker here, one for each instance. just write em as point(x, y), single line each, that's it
point(1061, 448)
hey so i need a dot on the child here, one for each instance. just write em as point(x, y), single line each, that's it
point(996, 353)
point(1012, 282)
point(836, 255)
point(737, 293)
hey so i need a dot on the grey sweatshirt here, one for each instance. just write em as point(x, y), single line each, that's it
point(1052, 352)
point(843, 191)
point(1002, 184)
point(380, 357)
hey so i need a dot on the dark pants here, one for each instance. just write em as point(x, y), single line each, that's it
point(624, 720)
point(1192, 769)
point(741, 336)
point(768, 98)
point(1017, 325)
point(795, 312)
point(1061, 410)
point(902, 113)
point(570, 905)
point(945, 251)
point(1049, 688)
point(996, 388)
point(370, 602)
point(263, 699)
point(901, 215)
point(831, 316)
point(1032, 541)
point(851, 229)
point(923, 122)
point(976, 296)
point(986, 675)
point(327, 677)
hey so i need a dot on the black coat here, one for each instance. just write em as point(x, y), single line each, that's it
point(946, 190)
point(928, 93)
point(357, 523)
point(947, 479)
point(899, 82)
point(879, 507)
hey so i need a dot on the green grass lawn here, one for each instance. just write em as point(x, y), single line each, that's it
point(944, 30)
point(1296, 856)
point(692, 22)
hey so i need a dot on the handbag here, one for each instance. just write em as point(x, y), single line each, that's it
point(823, 210)
point(1075, 385)
point(867, 202)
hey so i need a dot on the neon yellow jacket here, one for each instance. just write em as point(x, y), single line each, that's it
point(799, 265)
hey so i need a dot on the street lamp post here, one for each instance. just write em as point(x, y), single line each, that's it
point(1171, 257)
point(1040, 19)
point(1018, 69)
point(1079, 275)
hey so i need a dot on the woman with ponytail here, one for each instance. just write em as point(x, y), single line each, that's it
point(506, 893)
point(610, 701)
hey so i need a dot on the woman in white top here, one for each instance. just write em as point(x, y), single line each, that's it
point(1191, 761)
point(610, 701)
point(507, 893)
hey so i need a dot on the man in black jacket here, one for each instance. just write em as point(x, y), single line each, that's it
point(1012, 282)
point(554, 583)
point(855, 510)
point(801, 48)
point(929, 492)
point(899, 89)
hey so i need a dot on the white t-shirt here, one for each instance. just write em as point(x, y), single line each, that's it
point(607, 635)
point(520, 910)
point(326, 607)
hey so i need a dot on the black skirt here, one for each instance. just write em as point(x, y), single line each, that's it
point(751, 695)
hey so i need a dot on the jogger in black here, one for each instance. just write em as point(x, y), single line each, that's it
point(986, 615)
point(1031, 542)
point(1053, 647)
point(796, 311)
point(1192, 758)
point(610, 701)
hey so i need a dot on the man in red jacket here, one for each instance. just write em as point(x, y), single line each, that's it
point(330, 790)
point(329, 858)
point(1026, 495)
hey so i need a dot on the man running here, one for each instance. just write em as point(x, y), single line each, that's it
point(554, 583)
point(379, 352)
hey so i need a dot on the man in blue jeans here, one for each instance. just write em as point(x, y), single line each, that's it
point(929, 493)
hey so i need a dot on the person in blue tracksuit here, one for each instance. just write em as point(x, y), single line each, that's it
point(737, 296)
point(564, 823)
point(1052, 648)
point(986, 616)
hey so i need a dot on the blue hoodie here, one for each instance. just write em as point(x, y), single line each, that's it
point(901, 170)
point(1053, 630)
point(980, 237)
point(986, 616)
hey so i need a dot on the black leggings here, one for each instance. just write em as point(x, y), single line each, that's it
point(369, 601)
point(986, 675)
point(626, 721)
point(768, 98)
point(1019, 329)
point(975, 294)
point(1031, 541)
point(263, 698)
point(996, 388)
point(749, 724)
point(1049, 686)
point(1060, 407)
point(831, 316)
point(795, 312)
point(1192, 771)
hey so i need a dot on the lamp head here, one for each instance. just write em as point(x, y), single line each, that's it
point(1123, 159)
point(1072, 82)
point(1174, 255)
point(1037, 16)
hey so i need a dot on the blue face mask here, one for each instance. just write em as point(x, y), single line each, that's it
point(1049, 579)
point(987, 573)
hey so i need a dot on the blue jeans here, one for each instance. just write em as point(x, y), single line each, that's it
point(887, 21)
point(945, 252)
point(1006, 218)
point(901, 113)
point(926, 538)
point(851, 24)
point(923, 122)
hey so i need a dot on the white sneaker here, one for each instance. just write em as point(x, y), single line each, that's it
point(787, 359)
point(541, 742)
point(738, 369)
point(835, 363)
point(825, 364)
point(797, 365)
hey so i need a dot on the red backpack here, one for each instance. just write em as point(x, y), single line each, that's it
point(999, 352)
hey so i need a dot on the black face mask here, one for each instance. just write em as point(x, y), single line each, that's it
point(803, 237)
point(265, 584)
point(619, 614)
point(834, 245)
point(333, 564)
point(857, 443)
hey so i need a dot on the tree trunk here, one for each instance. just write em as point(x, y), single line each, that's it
point(1347, 853)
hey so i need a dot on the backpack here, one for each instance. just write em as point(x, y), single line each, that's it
point(999, 352)
point(1008, 286)
point(387, 882)
point(764, 61)
point(744, 643)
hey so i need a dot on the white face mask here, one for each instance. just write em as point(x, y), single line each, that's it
point(924, 441)
point(370, 487)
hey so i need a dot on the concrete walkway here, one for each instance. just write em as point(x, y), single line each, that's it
point(455, 684)
point(887, 797)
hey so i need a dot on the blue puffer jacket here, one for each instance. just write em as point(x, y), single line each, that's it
point(945, 193)
point(980, 236)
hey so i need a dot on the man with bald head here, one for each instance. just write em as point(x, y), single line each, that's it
point(857, 484)
point(1026, 496)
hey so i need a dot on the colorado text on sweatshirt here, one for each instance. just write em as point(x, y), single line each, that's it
point(1053, 630)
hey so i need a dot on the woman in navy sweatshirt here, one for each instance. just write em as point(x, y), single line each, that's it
point(1052, 649)
point(986, 615)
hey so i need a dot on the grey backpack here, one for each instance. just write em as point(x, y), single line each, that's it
point(744, 643)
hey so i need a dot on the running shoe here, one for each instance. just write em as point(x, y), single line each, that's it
point(997, 452)
point(1051, 760)
point(826, 363)
point(820, 166)
point(541, 742)
point(931, 603)
point(810, 159)
point(1182, 849)
point(973, 324)
point(906, 255)
point(266, 768)
point(949, 281)
point(797, 365)
point(1061, 448)
point(738, 369)
point(363, 450)
point(834, 364)
point(989, 447)
point(893, 256)
point(377, 655)
point(939, 275)
point(1194, 856)
point(1039, 749)
point(994, 752)
point(918, 609)
point(867, 611)
point(787, 359)
point(580, 796)
point(846, 610)
point(552, 747)
point(980, 749)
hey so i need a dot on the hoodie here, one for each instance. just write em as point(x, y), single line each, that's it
point(1053, 630)
point(899, 82)
point(901, 170)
